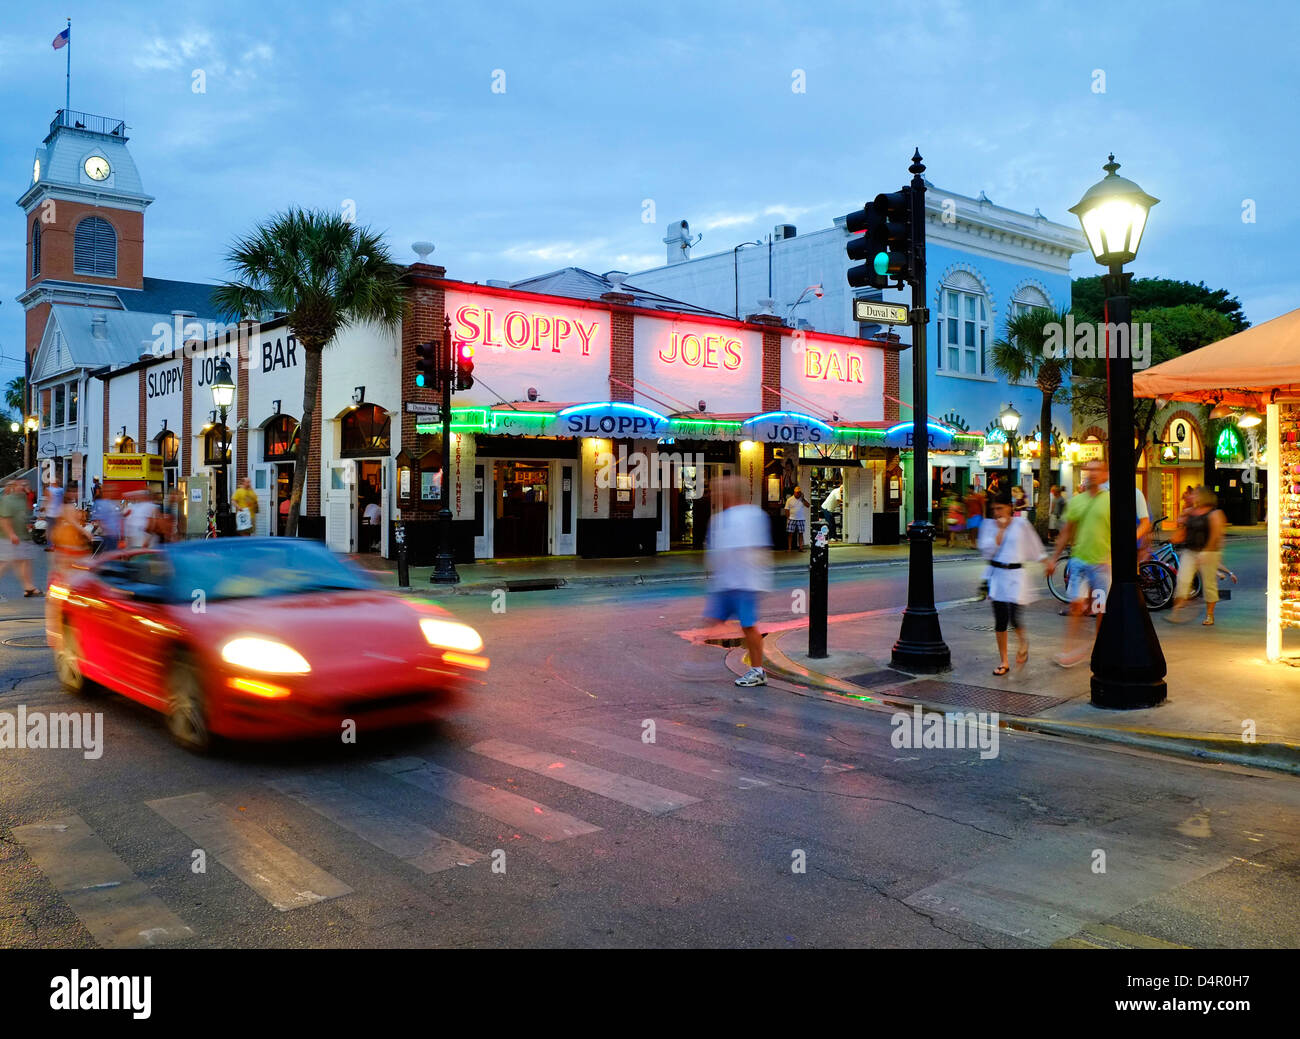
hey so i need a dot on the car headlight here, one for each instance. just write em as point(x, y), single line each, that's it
point(264, 655)
point(450, 635)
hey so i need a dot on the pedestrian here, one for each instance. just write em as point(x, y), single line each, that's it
point(245, 501)
point(1200, 532)
point(1055, 511)
point(140, 520)
point(831, 507)
point(371, 519)
point(15, 542)
point(954, 515)
point(95, 489)
point(1087, 528)
point(1018, 502)
point(738, 556)
point(1008, 542)
point(974, 512)
point(69, 536)
point(106, 515)
point(53, 498)
point(796, 513)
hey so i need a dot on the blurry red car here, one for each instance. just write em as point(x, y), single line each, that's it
point(256, 638)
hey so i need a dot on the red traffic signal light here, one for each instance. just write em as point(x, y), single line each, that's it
point(464, 366)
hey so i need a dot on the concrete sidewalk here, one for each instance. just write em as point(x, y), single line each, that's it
point(1220, 685)
point(487, 576)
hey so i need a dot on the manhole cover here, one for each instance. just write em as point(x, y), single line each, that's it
point(980, 697)
point(26, 641)
point(873, 678)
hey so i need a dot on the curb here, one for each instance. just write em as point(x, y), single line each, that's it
point(622, 580)
point(1279, 756)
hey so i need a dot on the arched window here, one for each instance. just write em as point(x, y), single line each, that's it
point(94, 248)
point(963, 325)
point(280, 439)
point(167, 447)
point(214, 440)
point(365, 431)
point(1027, 297)
point(126, 446)
point(36, 248)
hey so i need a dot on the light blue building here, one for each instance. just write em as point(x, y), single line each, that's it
point(986, 262)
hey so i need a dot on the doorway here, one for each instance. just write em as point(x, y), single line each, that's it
point(369, 511)
point(281, 493)
point(521, 514)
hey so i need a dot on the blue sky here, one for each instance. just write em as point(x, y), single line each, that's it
point(689, 104)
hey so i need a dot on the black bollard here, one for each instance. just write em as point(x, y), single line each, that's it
point(818, 576)
point(403, 574)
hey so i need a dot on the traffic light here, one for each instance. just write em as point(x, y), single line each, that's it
point(885, 245)
point(427, 366)
point(464, 366)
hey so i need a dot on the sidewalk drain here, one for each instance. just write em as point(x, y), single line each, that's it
point(26, 641)
point(956, 694)
point(873, 678)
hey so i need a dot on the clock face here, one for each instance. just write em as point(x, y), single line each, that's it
point(36, 171)
point(97, 167)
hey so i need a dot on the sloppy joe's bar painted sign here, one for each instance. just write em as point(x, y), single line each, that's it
point(787, 427)
point(834, 375)
point(560, 351)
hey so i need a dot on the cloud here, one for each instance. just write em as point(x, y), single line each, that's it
point(165, 53)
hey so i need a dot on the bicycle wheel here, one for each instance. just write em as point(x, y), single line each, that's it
point(1058, 581)
point(1157, 581)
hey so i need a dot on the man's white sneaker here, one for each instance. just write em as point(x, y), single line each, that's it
point(754, 676)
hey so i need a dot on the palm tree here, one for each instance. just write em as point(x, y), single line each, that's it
point(1026, 353)
point(16, 396)
point(325, 273)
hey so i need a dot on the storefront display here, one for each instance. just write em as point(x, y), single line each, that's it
point(1288, 450)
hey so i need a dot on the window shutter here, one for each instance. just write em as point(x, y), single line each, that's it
point(36, 248)
point(94, 248)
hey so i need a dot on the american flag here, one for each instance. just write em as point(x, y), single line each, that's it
point(62, 39)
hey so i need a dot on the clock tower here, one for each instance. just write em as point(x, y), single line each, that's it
point(84, 215)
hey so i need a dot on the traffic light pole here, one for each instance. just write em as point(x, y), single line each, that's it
point(444, 567)
point(920, 647)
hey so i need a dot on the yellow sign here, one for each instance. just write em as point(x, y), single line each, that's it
point(1090, 451)
point(133, 467)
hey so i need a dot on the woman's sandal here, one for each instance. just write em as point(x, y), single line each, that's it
point(1001, 669)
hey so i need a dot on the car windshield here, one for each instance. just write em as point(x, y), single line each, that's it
point(248, 568)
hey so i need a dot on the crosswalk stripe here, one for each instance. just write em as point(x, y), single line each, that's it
point(812, 762)
point(425, 849)
point(275, 871)
point(646, 796)
point(501, 805)
point(657, 754)
point(106, 896)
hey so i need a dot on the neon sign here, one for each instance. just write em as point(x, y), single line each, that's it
point(612, 419)
point(829, 363)
point(707, 351)
point(518, 330)
point(937, 436)
point(788, 427)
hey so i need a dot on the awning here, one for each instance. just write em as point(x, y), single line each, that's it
point(1243, 369)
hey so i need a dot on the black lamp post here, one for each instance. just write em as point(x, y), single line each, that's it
point(444, 563)
point(223, 395)
point(1128, 666)
point(1009, 420)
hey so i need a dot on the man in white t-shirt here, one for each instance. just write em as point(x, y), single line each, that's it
point(371, 517)
point(138, 518)
point(796, 512)
point(738, 555)
point(1143, 513)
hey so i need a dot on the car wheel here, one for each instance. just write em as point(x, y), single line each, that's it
point(67, 663)
point(187, 711)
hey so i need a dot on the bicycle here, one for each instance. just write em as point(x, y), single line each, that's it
point(1165, 552)
point(1156, 578)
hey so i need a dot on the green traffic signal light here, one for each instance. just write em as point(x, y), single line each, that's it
point(419, 380)
point(881, 263)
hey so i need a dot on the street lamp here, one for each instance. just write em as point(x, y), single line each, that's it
point(223, 395)
point(735, 271)
point(816, 290)
point(1128, 665)
point(1009, 420)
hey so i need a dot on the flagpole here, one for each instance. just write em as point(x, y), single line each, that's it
point(67, 95)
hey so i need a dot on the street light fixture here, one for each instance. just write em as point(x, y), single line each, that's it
point(816, 290)
point(1128, 665)
point(223, 396)
point(1248, 419)
point(1009, 420)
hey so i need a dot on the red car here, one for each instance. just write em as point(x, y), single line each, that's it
point(254, 638)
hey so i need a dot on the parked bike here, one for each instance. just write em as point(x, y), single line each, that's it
point(1156, 578)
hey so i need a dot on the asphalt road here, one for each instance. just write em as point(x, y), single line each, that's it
point(543, 817)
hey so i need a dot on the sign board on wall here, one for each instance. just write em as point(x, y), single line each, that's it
point(561, 351)
point(833, 374)
point(901, 436)
point(688, 360)
point(787, 427)
point(133, 467)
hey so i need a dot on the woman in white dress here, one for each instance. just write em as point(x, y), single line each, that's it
point(1008, 542)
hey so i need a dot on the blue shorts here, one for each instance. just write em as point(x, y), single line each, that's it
point(740, 603)
point(973, 523)
point(1086, 578)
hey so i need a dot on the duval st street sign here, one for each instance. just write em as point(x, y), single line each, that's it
point(879, 313)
